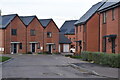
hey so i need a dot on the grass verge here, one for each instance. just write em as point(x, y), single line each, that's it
point(3, 58)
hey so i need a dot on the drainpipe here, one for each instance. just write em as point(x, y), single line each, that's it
point(10, 39)
point(43, 40)
point(26, 40)
point(99, 34)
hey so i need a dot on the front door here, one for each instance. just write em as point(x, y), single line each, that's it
point(50, 48)
point(113, 45)
point(14, 48)
point(33, 47)
point(104, 44)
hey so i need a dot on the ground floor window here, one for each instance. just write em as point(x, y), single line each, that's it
point(38, 45)
point(20, 46)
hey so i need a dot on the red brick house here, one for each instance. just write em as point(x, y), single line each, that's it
point(68, 29)
point(110, 27)
point(13, 34)
point(50, 36)
point(87, 30)
point(34, 34)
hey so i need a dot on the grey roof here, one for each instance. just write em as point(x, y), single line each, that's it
point(6, 19)
point(89, 13)
point(68, 27)
point(27, 19)
point(63, 39)
point(45, 22)
point(109, 3)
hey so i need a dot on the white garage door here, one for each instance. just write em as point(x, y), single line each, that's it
point(66, 48)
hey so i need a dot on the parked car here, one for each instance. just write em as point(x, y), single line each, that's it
point(72, 50)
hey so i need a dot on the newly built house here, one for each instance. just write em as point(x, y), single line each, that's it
point(98, 29)
point(50, 35)
point(13, 34)
point(23, 34)
point(34, 34)
point(87, 30)
point(110, 27)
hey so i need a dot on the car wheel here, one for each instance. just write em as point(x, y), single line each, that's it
point(71, 51)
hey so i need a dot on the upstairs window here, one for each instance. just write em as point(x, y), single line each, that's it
point(113, 14)
point(49, 34)
point(104, 17)
point(32, 32)
point(80, 28)
point(76, 29)
point(85, 27)
point(14, 31)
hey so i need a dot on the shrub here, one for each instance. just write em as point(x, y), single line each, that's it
point(40, 53)
point(46, 52)
point(29, 52)
point(112, 60)
point(68, 55)
point(76, 57)
point(56, 53)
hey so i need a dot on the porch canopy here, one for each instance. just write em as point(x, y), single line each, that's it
point(79, 41)
point(110, 36)
point(15, 42)
point(50, 43)
point(33, 42)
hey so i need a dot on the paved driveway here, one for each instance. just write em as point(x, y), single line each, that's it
point(42, 66)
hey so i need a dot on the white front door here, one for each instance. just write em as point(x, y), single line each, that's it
point(66, 48)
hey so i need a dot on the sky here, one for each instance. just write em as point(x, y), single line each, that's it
point(58, 10)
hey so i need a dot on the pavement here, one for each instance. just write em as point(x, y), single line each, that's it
point(100, 70)
point(52, 66)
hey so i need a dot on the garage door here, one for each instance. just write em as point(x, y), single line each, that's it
point(66, 48)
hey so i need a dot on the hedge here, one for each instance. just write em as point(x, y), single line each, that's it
point(112, 60)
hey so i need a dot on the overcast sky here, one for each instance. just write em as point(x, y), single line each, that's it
point(59, 10)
